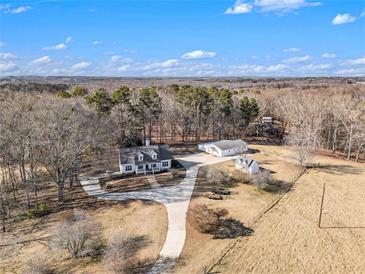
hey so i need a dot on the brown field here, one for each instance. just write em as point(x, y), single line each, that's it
point(288, 238)
point(128, 215)
point(246, 206)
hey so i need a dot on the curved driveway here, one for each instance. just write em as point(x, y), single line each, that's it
point(175, 198)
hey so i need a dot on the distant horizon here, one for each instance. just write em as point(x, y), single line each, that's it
point(181, 77)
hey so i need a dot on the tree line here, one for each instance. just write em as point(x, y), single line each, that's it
point(51, 135)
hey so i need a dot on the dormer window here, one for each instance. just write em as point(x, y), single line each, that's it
point(140, 156)
point(154, 155)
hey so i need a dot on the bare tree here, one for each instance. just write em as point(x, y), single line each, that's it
point(67, 130)
point(77, 233)
point(116, 254)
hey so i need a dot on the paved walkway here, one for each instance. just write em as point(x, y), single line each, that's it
point(175, 198)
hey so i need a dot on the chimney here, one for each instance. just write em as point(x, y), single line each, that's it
point(147, 142)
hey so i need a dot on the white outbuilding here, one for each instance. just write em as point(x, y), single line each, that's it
point(224, 147)
point(248, 165)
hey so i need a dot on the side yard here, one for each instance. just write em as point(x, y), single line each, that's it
point(245, 205)
point(37, 235)
point(288, 239)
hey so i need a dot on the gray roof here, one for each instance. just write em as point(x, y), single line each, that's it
point(229, 144)
point(130, 155)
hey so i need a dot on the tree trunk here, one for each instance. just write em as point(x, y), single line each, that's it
point(334, 140)
point(23, 177)
point(350, 144)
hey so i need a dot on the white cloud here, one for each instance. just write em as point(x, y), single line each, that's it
point(2, 44)
point(96, 42)
point(292, 50)
point(198, 54)
point(257, 69)
point(362, 14)
point(275, 68)
point(68, 39)
point(56, 47)
point(352, 72)
point(359, 61)
point(115, 58)
point(60, 46)
point(343, 19)
point(7, 67)
point(329, 55)
point(283, 5)
point(297, 59)
point(18, 10)
point(7, 56)
point(239, 7)
point(124, 68)
point(8, 9)
point(41, 61)
point(166, 64)
point(81, 66)
point(315, 67)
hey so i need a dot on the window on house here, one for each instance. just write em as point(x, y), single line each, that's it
point(140, 158)
point(154, 156)
point(128, 168)
point(164, 164)
point(153, 165)
point(140, 166)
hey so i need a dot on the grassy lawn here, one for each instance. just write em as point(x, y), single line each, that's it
point(171, 177)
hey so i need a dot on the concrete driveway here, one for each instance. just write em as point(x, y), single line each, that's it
point(175, 198)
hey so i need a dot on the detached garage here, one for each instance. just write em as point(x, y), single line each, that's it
point(224, 147)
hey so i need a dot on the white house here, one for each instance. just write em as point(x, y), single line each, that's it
point(144, 159)
point(248, 165)
point(224, 147)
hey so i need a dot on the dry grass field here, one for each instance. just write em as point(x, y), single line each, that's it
point(127, 215)
point(288, 238)
point(246, 206)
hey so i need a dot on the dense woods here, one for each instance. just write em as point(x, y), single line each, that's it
point(49, 135)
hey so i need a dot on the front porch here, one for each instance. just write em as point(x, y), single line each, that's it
point(148, 168)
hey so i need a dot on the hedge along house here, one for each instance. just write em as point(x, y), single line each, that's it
point(224, 147)
point(144, 159)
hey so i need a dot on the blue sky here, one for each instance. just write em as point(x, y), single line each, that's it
point(183, 38)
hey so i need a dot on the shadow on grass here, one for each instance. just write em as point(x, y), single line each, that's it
point(231, 228)
point(341, 169)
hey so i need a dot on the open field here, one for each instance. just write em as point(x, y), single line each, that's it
point(288, 239)
point(130, 216)
point(245, 207)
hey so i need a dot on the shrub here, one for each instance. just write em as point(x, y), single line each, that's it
point(77, 234)
point(216, 222)
point(42, 209)
point(262, 179)
point(207, 220)
point(38, 264)
point(217, 176)
point(116, 254)
point(29, 214)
